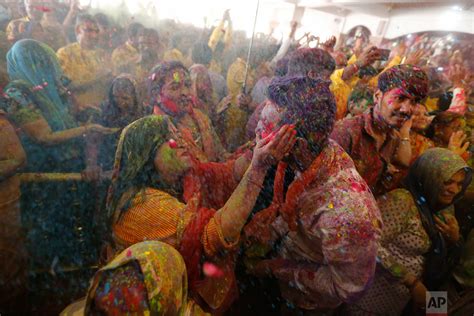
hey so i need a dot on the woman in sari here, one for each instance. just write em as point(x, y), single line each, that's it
point(157, 194)
point(169, 91)
point(54, 213)
point(420, 230)
point(120, 109)
point(12, 252)
point(146, 278)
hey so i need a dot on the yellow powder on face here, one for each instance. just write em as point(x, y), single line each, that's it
point(176, 77)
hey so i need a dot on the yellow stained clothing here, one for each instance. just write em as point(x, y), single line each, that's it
point(123, 59)
point(397, 60)
point(341, 90)
point(83, 67)
point(156, 215)
point(53, 34)
point(236, 77)
point(431, 104)
point(215, 67)
point(12, 29)
point(221, 33)
point(234, 119)
point(174, 55)
point(352, 60)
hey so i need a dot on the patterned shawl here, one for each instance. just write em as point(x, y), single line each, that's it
point(133, 167)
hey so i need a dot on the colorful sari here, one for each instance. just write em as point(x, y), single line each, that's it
point(148, 278)
point(142, 207)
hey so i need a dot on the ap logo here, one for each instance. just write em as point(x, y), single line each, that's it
point(437, 304)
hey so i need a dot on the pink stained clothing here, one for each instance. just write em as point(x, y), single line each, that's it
point(402, 248)
point(331, 257)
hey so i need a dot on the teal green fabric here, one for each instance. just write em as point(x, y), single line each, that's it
point(37, 66)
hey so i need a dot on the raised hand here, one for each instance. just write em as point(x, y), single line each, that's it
point(457, 143)
point(244, 100)
point(368, 56)
point(329, 44)
point(415, 57)
point(450, 229)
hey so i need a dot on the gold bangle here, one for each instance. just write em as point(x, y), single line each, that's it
point(405, 139)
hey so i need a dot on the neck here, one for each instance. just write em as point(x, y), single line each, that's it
point(301, 162)
point(85, 46)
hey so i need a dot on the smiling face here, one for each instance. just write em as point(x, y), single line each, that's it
point(172, 163)
point(421, 119)
point(451, 188)
point(177, 89)
point(394, 106)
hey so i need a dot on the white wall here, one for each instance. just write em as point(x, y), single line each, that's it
point(429, 19)
point(355, 19)
point(320, 24)
point(406, 21)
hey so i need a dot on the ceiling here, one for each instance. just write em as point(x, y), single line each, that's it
point(380, 8)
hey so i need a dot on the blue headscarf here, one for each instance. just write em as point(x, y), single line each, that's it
point(36, 64)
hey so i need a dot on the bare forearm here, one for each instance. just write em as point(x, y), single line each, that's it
point(9, 167)
point(235, 212)
point(70, 17)
point(54, 138)
point(404, 154)
point(349, 72)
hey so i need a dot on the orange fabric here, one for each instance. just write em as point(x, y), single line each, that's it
point(296, 189)
point(154, 215)
point(214, 182)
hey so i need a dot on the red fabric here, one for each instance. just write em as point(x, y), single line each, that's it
point(354, 136)
point(191, 247)
point(214, 182)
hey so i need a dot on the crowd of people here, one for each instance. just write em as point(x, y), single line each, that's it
point(161, 172)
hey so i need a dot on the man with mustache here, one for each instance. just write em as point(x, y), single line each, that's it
point(379, 139)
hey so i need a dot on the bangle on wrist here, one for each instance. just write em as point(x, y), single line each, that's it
point(405, 139)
